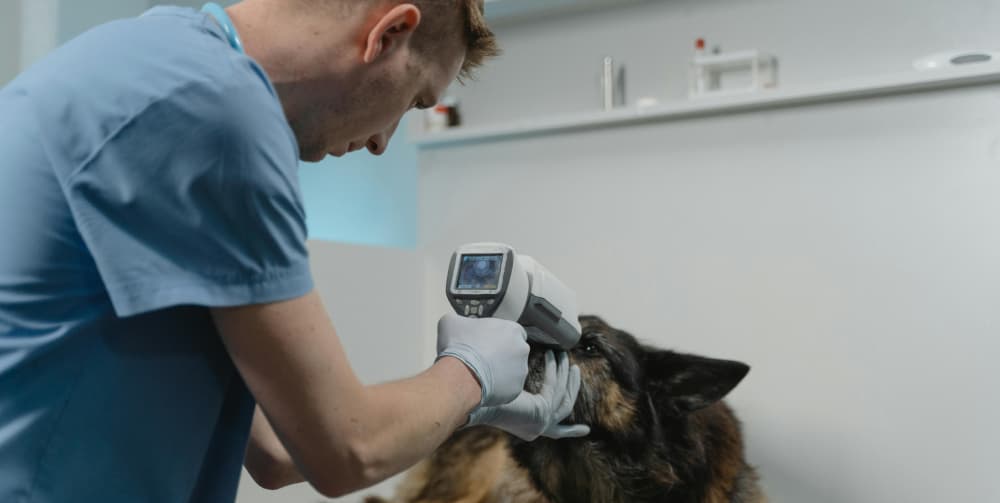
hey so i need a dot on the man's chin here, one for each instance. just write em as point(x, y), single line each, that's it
point(312, 156)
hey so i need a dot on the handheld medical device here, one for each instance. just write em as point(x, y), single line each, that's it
point(492, 280)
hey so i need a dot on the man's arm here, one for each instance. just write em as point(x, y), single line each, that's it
point(266, 459)
point(341, 435)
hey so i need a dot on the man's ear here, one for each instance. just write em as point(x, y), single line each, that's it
point(691, 382)
point(391, 31)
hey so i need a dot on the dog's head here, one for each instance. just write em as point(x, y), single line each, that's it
point(654, 429)
point(627, 385)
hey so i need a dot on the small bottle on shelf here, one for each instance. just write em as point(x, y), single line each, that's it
point(698, 77)
point(454, 117)
point(436, 119)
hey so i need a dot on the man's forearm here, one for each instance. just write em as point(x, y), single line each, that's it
point(410, 428)
point(340, 433)
point(412, 417)
point(267, 460)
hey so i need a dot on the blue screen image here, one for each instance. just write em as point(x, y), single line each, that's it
point(479, 272)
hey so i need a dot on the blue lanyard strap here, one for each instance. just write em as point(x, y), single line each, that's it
point(216, 11)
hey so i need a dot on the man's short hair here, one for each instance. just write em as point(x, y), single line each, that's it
point(444, 18)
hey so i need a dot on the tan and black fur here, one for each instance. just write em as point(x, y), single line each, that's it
point(659, 433)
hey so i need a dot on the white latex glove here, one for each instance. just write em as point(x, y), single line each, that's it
point(495, 350)
point(530, 416)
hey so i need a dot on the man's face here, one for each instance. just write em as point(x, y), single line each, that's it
point(363, 108)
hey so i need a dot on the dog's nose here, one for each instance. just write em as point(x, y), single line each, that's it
point(536, 358)
point(536, 368)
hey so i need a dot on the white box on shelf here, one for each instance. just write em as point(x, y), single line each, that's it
point(732, 73)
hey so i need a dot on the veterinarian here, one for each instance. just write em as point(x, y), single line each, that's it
point(154, 278)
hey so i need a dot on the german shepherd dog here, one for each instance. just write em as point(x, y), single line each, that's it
point(659, 433)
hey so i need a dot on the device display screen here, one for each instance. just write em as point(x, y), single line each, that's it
point(479, 272)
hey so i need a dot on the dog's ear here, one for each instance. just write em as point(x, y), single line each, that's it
point(691, 382)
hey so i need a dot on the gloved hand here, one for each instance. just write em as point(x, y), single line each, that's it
point(530, 415)
point(495, 350)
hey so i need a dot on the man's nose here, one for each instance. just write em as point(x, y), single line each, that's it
point(379, 143)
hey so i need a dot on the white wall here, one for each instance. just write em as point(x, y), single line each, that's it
point(847, 251)
point(76, 17)
point(30, 29)
point(39, 29)
point(553, 64)
point(10, 39)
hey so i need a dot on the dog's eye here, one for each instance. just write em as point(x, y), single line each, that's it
point(590, 344)
point(589, 348)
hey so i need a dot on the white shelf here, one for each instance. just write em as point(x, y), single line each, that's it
point(514, 10)
point(778, 98)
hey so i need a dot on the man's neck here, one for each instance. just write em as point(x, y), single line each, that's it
point(290, 45)
point(294, 48)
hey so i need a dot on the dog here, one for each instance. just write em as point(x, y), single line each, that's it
point(660, 432)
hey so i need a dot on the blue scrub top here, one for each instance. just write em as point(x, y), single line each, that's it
point(147, 173)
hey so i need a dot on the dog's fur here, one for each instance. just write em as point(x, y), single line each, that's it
point(659, 432)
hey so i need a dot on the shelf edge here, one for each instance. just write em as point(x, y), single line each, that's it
point(702, 107)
